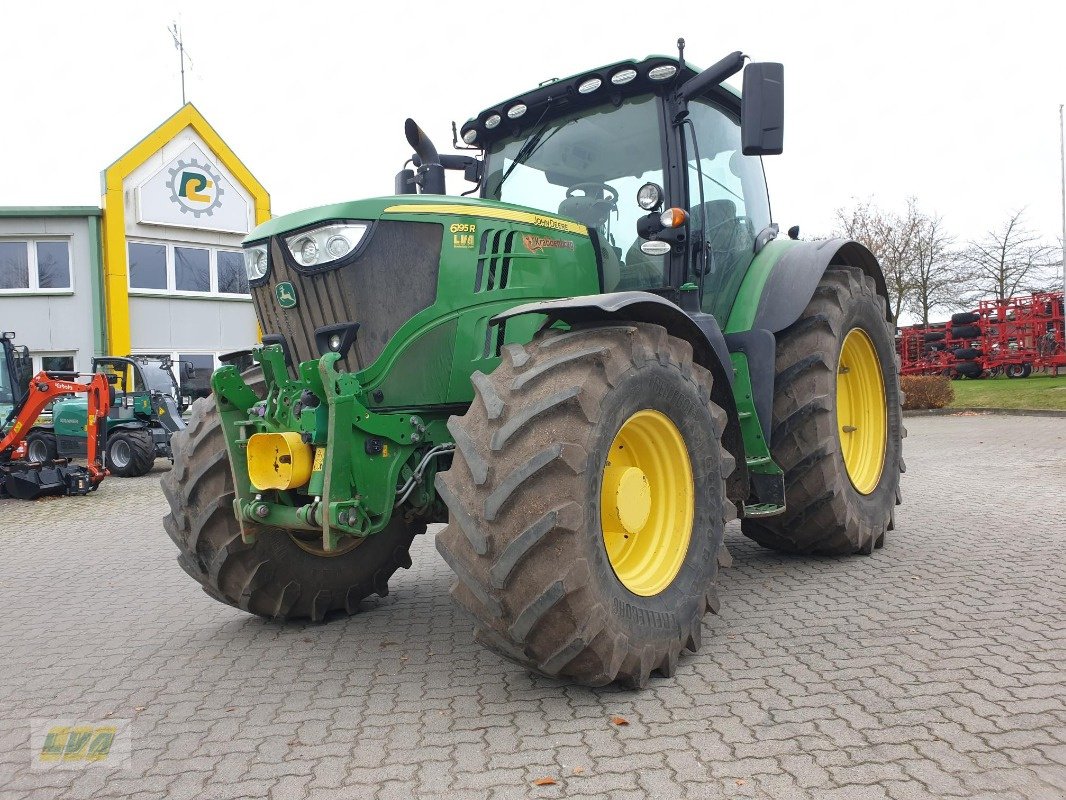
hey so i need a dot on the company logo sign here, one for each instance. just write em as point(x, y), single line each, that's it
point(195, 188)
point(285, 293)
point(536, 244)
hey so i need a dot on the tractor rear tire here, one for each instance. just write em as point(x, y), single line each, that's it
point(41, 447)
point(281, 575)
point(825, 512)
point(532, 489)
point(130, 452)
point(965, 318)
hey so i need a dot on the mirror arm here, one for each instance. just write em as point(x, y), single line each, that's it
point(712, 76)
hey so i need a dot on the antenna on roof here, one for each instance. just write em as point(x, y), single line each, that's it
point(183, 54)
point(680, 54)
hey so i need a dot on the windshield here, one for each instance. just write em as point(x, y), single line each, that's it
point(588, 167)
point(157, 378)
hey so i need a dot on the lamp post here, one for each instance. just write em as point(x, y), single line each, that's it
point(1062, 162)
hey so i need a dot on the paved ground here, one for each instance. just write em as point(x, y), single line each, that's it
point(933, 669)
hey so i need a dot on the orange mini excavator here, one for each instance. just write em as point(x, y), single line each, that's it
point(27, 480)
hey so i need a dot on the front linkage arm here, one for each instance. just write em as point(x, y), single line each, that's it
point(359, 456)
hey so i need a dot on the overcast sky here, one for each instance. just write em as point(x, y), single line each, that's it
point(953, 102)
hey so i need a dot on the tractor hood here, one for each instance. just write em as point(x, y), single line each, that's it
point(418, 208)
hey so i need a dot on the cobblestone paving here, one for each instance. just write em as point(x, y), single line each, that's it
point(932, 669)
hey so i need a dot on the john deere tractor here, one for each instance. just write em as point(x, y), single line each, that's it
point(146, 408)
point(586, 369)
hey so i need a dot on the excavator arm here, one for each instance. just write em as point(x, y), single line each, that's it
point(28, 481)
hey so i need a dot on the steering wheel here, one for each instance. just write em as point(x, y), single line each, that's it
point(588, 188)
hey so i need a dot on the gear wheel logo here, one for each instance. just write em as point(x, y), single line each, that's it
point(195, 187)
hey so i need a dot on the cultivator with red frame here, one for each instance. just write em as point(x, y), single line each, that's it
point(1014, 337)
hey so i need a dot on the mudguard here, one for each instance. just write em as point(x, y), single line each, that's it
point(796, 274)
point(769, 303)
point(702, 331)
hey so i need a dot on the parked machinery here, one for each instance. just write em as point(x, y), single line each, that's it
point(146, 411)
point(28, 480)
point(1013, 337)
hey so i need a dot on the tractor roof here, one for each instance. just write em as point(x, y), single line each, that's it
point(588, 88)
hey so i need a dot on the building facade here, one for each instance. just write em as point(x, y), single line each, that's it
point(156, 270)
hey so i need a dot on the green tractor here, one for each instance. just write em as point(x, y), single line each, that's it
point(587, 370)
point(146, 411)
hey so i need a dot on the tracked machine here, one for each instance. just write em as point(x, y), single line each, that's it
point(587, 369)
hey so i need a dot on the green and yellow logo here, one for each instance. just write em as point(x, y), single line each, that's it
point(285, 293)
point(80, 743)
point(195, 188)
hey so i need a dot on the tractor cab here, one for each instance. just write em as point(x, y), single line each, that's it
point(666, 204)
point(139, 382)
point(659, 161)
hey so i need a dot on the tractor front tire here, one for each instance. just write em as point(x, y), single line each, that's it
point(282, 575)
point(130, 452)
point(835, 366)
point(588, 503)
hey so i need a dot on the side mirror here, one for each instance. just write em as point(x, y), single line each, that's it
point(762, 111)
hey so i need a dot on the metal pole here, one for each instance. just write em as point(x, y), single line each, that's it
point(1062, 162)
point(181, 55)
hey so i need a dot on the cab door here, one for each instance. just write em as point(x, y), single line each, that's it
point(727, 202)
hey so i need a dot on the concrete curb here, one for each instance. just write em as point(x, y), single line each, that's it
point(1006, 412)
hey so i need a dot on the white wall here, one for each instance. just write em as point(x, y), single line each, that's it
point(172, 322)
point(59, 321)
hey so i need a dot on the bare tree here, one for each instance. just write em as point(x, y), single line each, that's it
point(936, 271)
point(892, 238)
point(1009, 259)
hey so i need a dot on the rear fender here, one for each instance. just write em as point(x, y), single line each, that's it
point(793, 278)
point(709, 349)
point(780, 283)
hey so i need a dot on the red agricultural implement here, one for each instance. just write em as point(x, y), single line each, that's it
point(1013, 337)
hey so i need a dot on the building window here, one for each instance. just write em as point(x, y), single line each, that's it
point(186, 269)
point(232, 277)
point(148, 266)
point(57, 363)
point(35, 265)
point(192, 269)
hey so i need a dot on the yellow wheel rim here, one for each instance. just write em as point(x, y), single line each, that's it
point(647, 502)
point(862, 411)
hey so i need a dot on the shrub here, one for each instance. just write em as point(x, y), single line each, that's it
point(926, 391)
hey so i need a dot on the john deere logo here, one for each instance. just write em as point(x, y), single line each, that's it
point(195, 188)
point(286, 294)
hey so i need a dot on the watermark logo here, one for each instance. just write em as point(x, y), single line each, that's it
point(195, 188)
point(71, 744)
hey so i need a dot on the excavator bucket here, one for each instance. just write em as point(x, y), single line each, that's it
point(27, 481)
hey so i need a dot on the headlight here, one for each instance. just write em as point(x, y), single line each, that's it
point(322, 245)
point(256, 261)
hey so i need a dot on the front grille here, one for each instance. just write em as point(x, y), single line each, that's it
point(394, 277)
